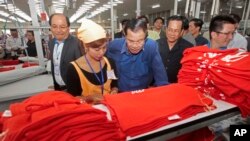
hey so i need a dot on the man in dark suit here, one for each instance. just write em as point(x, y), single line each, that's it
point(64, 48)
point(121, 33)
point(172, 47)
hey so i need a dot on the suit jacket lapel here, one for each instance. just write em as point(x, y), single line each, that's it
point(65, 48)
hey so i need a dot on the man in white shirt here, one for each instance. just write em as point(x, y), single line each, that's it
point(14, 45)
point(238, 40)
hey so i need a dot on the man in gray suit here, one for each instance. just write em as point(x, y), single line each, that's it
point(64, 48)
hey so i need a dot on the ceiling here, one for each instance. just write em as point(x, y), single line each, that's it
point(127, 6)
point(70, 7)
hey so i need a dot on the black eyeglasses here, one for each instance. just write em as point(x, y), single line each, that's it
point(226, 33)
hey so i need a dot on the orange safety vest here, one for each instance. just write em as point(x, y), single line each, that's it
point(90, 89)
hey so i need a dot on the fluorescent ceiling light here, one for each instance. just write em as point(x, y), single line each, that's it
point(125, 14)
point(18, 12)
point(203, 12)
point(238, 6)
point(82, 9)
point(156, 6)
point(4, 14)
point(23, 15)
point(118, 1)
point(97, 10)
point(17, 19)
point(93, 1)
point(4, 20)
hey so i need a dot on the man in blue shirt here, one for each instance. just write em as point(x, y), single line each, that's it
point(137, 58)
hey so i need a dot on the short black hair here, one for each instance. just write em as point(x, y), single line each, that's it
point(13, 29)
point(135, 24)
point(175, 18)
point(66, 18)
point(236, 17)
point(143, 17)
point(31, 31)
point(159, 18)
point(218, 21)
point(124, 21)
point(197, 22)
point(185, 22)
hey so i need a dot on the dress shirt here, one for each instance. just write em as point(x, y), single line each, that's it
point(136, 71)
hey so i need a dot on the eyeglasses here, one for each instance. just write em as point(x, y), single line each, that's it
point(226, 33)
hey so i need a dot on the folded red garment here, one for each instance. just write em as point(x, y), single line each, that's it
point(228, 71)
point(145, 110)
point(56, 115)
point(29, 64)
point(6, 69)
point(9, 62)
point(1, 123)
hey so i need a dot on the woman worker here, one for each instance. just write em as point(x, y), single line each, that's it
point(93, 74)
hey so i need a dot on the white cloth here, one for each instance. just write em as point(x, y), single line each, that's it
point(57, 59)
point(21, 73)
point(90, 31)
point(238, 41)
point(31, 59)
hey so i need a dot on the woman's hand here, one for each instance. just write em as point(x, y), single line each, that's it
point(114, 90)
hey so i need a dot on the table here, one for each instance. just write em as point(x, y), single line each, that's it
point(224, 110)
point(24, 88)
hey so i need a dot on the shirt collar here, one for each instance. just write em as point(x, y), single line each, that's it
point(221, 48)
point(56, 41)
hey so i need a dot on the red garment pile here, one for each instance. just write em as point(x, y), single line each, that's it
point(145, 110)
point(9, 62)
point(6, 69)
point(29, 64)
point(223, 74)
point(57, 116)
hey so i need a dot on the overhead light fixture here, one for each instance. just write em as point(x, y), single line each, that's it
point(238, 6)
point(203, 12)
point(4, 14)
point(125, 14)
point(156, 6)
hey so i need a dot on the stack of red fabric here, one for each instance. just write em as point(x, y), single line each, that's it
point(6, 69)
point(29, 64)
point(223, 74)
point(9, 62)
point(53, 116)
point(145, 110)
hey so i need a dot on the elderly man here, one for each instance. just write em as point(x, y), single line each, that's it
point(172, 47)
point(64, 48)
point(137, 58)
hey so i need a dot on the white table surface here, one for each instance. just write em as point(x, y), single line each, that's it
point(25, 87)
